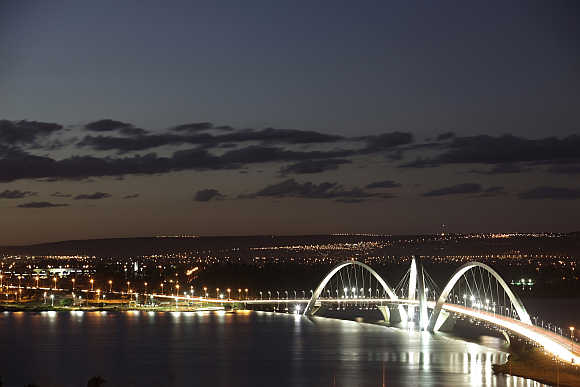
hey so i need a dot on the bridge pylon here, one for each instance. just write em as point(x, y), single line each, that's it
point(418, 292)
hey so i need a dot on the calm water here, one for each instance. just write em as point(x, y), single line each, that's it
point(234, 349)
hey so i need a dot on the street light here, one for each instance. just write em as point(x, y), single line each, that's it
point(572, 337)
point(92, 281)
point(146, 287)
point(110, 286)
point(52, 300)
point(229, 291)
point(128, 286)
point(162, 288)
point(73, 282)
point(239, 293)
point(54, 279)
point(37, 282)
point(177, 289)
point(246, 290)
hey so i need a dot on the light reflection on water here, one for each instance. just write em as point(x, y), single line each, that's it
point(235, 349)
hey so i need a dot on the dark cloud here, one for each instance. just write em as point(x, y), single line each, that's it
point(25, 132)
point(205, 195)
point(445, 136)
point(383, 184)
point(137, 143)
point(465, 188)
point(60, 195)
point(292, 188)
point(22, 165)
point(265, 154)
point(565, 169)
point(41, 205)
point(133, 196)
point(504, 150)
point(350, 201)
point(313, 166)
point(93, 196)
point(555, 193)
point(493, 191)
point(266, 136)
point(194, 127)
point(502, 169)
point(386, 141)
point(15, 194)
point(131, 131)
point(107, 125)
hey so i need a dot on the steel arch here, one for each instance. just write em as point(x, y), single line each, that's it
point(520, 309)
point(336, 269)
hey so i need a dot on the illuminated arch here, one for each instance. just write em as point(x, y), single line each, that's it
point(316, 294)
point(522, 313)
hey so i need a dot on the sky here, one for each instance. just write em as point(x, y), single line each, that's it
point(142, 118)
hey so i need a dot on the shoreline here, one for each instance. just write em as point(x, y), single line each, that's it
point(533, 363)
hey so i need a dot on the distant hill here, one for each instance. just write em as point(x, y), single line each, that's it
point(562, 244)
point(160, 245)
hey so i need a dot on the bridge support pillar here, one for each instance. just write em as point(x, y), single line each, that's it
point(421, 292)
point(445, 321)
point(412, 288)
point(393, 313)
point(386, 312)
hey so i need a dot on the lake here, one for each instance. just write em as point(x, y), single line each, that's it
point(235, 349)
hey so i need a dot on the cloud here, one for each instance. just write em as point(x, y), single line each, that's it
point(383, 184)
point(290, 188)
point(93, 196)
point(504, 150)
point(502, 169)
point(465, 188)
point(493, 191)
point(107, 125)
point(132, 196)
point(205, 195)
point(41, 205)
point(555, 193)
point(313, 166)
point(193, 137)
point(445, 136)
point(60, 195)
point(194, 127)
point(15, 194)
point(565, 169)
point(132, 131)
point(350, 201)
point(25, 132)
point(386, 141)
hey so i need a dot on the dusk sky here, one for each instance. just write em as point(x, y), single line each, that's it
point(142, 118)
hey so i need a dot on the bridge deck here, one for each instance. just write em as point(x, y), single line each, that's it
point(554, 343)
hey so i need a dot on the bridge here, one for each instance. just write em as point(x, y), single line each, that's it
point(475, 292)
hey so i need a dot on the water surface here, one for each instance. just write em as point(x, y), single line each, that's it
point(235, 349)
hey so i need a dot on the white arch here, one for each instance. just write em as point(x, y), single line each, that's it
point(336, 269)
point(522, 313)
